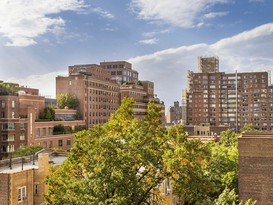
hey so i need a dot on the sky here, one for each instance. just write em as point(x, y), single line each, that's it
point(161, 38)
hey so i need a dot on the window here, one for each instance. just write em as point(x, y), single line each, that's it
point(50, 144)
point(44, 132)
point(68, 142)
point(60, 143)
point(2, 114)
point(37, 132)
point(35, 188)
point(3, 104)
point(22, 125)
point(12, 115)
point(22, 194)
point(12, 104)
point(44, 144)
point(50, 131)
point(22, 137)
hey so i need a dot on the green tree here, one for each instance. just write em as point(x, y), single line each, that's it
point(248, 127)
point(67, 100)
point(230, 197)
point(229, 138)
point(48, 114)
point(120, 162)
point(26, 151)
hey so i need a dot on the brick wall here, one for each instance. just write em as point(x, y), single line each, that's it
point(256, 168)
point(4, 189)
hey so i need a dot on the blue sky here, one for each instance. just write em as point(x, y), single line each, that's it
point(161, 38)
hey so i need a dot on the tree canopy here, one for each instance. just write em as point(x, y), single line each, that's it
point(67, 100)
point(126, 160)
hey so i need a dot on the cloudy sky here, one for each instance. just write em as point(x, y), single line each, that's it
point(161, 38)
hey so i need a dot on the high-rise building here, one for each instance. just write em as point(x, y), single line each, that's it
point(229, 99)
point(208, 64)
point(101, 88)
point(174, 113)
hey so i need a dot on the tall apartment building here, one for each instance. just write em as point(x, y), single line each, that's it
point(101, 88)
point(97, 93)
point(229, 99)
point(174, 113)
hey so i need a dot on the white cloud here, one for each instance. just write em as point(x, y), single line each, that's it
point(215, 14)
point(184, 13)
point(154, 33)
point(98, 10)
point(248, 51)
point(102, 13)
point(22, 21)
point(39, 81)
point(151, 41)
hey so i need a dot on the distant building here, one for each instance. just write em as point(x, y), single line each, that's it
point(174, 114)
point(101, 88)
point(255, 167)
point(24, 184)
point(228, 99)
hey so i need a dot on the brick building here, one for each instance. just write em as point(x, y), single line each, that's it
point(92, 85)
point(228, 99)
point(24, 184)
point(255, 167)
point(101, 88)
point(174, 114)
point(20, 124)
point(121, 71)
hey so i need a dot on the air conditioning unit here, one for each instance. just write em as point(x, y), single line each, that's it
point(24, 198)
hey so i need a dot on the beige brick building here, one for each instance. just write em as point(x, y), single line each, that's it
point(25, 186)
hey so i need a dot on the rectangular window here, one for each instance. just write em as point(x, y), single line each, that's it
point(60, 143)
point(35, 188)
point(50, 131)
point(3, 104)
point(2, 114)
point(12, 104)
point(44, 132)
point(37, 132)
point(68, 142)
point(22, 137)
point(22, 125)
point(50, 144)
point(22, 194)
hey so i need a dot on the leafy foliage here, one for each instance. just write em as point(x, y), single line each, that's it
point(6, 88)
point(117, 163)
point(26, 151)
point(125, 160)
point(67, 100)
point(48, 114)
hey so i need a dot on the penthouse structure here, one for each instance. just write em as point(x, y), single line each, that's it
point(228, 99)
point(101, 88)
